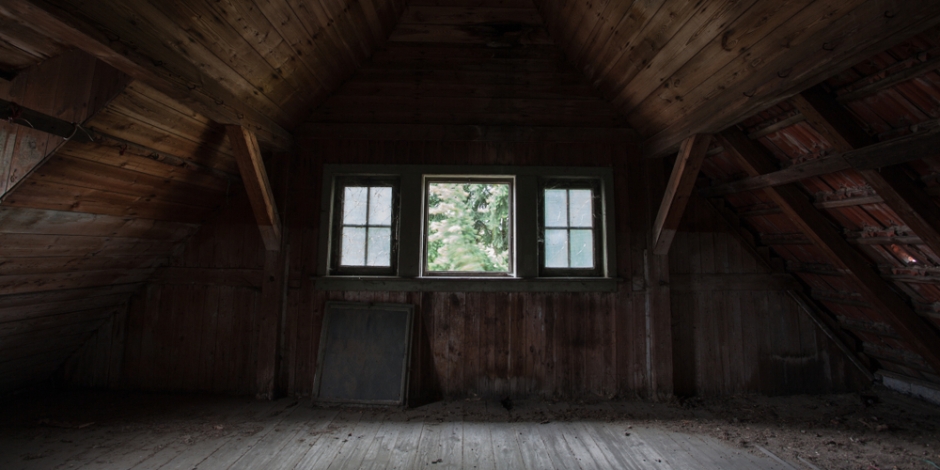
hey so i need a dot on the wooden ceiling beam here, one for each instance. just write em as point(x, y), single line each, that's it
point(255, 178)
point(915, 207)
point(883, 154)
point(204, 95)
point(678, 189)
point(922, 337)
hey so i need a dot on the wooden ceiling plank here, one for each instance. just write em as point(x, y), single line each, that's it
point(219, 38)
point(645, 16)
point(39, 194)
point(612, 40)
point(123, 155)
point(312, 53)
point(265, 38)
point(255, 178)
point(835, 48)
point(310, 14)
point(577, 37)
point(718, 69)
point(206, 95)
point(922, 337)
point(671, 20)
point(709, 37)
point(147, 31)
point(678, 189)
point(587, 43)
point(915, 207)
point(334, 14)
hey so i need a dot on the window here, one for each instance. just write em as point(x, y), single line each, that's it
point(569, 216)
point(467, 228)
point(364, 226)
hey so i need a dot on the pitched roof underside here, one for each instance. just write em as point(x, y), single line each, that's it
point(86, 224)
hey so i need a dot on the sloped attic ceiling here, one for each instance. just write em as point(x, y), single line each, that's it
point(889, 216)
point(670, 67)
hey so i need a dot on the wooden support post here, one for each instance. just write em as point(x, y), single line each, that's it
point(680, 185)
point(204, 94)
point(915, 207)
point(273, 293)
point(257, 185)
point(922, 337)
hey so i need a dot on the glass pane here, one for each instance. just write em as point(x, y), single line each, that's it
point(581, 205)
point(468, 227)
point(556, 248)
point(354, 205)
point(380, 241)
point(556, 208)
point(354, 247)
point(380, 206)
point(582, 249)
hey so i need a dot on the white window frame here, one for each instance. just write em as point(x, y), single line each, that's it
point(527, 229)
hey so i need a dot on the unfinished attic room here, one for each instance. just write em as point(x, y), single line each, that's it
point(470, 234)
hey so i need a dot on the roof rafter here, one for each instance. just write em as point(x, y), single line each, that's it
point(915, 207)
point(680, 186)
point(205, 95)
point(255, 178)
point(755, 160)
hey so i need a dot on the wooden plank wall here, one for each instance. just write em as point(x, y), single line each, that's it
point(194, 326)
point(737, 334)
point(566, 345)
point(485, 344)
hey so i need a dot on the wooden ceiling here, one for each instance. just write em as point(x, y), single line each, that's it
point(84, 224)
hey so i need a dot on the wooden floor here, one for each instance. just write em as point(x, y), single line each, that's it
point(159, 432)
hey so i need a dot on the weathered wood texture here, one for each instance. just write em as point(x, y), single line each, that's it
point(465, 343)
point(91, 224)
point(678, 68)
point(72, 87)
point(453, 66)
point(255, 179)
point(681, 183)
point(263, 64)
point(730, 338)
point(493, 344)
point(198, 324)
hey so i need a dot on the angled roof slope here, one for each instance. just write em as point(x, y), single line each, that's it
point(894, 93)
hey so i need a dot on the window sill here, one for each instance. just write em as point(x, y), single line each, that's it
point(474, 284)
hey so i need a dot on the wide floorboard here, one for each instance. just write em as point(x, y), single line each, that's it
point(185, 432)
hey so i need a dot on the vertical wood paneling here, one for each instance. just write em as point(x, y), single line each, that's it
point(729, 341)
point(567, 345)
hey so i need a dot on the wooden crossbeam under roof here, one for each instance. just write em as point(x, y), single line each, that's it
point(923, 337)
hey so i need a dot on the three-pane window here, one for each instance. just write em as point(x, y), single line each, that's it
point(411, 224)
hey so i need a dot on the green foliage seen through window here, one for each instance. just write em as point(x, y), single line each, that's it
point(468, 227)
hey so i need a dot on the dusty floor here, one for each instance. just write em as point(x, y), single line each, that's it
point(876, 430)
